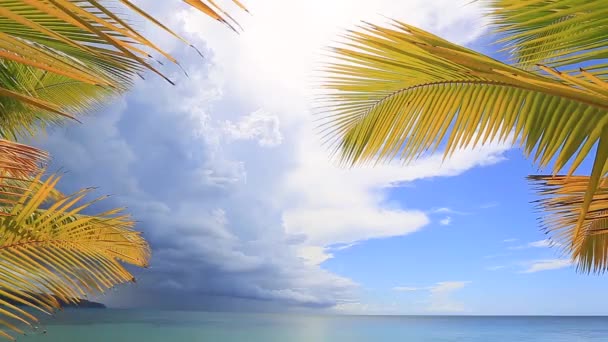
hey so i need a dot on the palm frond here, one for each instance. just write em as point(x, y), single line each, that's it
point(44, 98)
point(83, 41)
point(555, 33)
point(49, 248)
point(19, 161)
point(401, 92)
point(561, 200)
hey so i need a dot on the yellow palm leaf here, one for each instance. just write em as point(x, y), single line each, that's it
point(401, 92)
point(84, 41)
point(562, 198)
point(55, 251)
point(558, 33)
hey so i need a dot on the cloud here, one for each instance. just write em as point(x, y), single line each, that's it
point(543, 243)
point(439, 296)
point(330, 205)
point(494, 256)
point(509, 240)
point(547, 265)
point(446, 287)
point(406, 289)
point(233, 223)
point(259, 126)
point(274, 59)
point(446, 221)
point(445, 210)
point(537, 244)
point(489, 205)
point(495, 268)
point(215, 239)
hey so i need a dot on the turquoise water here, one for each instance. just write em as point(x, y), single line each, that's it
point(167, 326)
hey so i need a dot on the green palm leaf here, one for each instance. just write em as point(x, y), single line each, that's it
point(401, 92)
point(44, 97)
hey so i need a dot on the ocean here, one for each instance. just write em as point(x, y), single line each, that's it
point(98, 325)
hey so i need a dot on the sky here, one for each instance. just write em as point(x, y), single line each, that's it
point(245, 210)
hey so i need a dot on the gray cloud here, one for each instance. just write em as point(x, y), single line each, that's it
point(199, 199)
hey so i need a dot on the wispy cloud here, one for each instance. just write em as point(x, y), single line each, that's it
point(342, 246)
point(445, 210)
point(446, 221)
point(547, 265)
point(489, 205)
point(439, 295)
point(537, 244)
point(448, 286)
point(509, 240)
point(495, 268)
point(407, 288)
point(494, 256)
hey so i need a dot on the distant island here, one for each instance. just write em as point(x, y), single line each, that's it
point(82, 303)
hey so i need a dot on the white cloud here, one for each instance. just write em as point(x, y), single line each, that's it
point(331, 205)
point(509, 240)
point(537, 244)
point(489, 205)
point(341, 247)
point(406, 289)
point(440, 296)
point(250, 222)
point(547, 265)
point(273, 61)
point(446, 287)
point(441, 300)
point(445, 221)
point(259, 126)
point(445, 210)
point(314, 255)
point(495, 268)
point(495, 256)
point(543, 243)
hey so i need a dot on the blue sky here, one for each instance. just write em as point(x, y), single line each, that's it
point(245, 210)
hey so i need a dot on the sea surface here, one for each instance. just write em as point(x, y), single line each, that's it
point(98, 325)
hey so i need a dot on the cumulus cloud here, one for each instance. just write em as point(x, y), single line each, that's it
point(212, 232)
point(259, 126)
point(328, 204)
point(228, 218)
